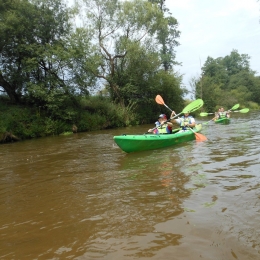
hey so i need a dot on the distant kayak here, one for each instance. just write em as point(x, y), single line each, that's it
point(223, 121)
point(135, 143)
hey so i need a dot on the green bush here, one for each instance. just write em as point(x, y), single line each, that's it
point(252, 105)
point(113, 114)
point(90, 113)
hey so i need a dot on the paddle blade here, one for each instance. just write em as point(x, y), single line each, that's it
point(159, 100)
point(194, 105)
point(236, 106)
point(244, 110)
point(200, 137)
point(203, 114)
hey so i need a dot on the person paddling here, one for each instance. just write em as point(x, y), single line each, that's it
point(222, 114)
point(187, 121)
point(162, 126)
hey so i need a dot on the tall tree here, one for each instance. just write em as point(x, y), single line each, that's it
point(118, 28)
point(228, 80)
point(235, 62)
point(32, 48)
point(167, 36)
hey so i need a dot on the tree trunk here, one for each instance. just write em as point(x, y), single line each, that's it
point(10, 90)
point(8, 137)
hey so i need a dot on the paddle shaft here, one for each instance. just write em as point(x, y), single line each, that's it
point(228, 111)
point(208, 121)
point(168, 107)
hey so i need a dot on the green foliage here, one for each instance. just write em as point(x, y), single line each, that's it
point(114, 115)
point(235, 63)
point(227, 81)
point(252, 105)
point(216, 71)
point(48, 68)
point(241, 94)
point(93, 113)
point(249, 81)
point(167, 35)
point(33, 57)
point(127, 55)
point(21, 121)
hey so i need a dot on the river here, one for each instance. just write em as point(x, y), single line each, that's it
point(81, 197)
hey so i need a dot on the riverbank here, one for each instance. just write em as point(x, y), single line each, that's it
point(21, 122)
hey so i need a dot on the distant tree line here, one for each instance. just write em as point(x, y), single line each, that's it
point(226, 81)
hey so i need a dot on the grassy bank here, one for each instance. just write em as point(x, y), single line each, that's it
point(20, 122)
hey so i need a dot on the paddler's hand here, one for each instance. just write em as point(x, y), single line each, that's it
point(173, 114)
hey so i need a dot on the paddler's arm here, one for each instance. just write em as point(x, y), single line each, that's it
point(174, 120)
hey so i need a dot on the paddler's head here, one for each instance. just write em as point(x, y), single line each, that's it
point(162, 118)
point(186, 114)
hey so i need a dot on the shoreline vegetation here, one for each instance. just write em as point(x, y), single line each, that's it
point(21, 122)
point(123, 51)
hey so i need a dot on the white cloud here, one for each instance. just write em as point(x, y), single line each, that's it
point(214, 28)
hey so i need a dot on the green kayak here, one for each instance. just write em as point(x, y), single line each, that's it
point(135, 143)
point(223, 121)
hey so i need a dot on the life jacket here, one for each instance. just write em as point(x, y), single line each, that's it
point(163, 129)
point(222, 114)
point(185, 120)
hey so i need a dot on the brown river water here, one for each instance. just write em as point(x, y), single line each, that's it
point(81, 197)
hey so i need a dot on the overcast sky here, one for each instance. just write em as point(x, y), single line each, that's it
point(214, 28)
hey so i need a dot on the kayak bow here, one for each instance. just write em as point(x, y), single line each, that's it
point(223, 121)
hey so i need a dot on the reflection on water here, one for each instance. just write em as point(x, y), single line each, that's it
point(81, 197)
